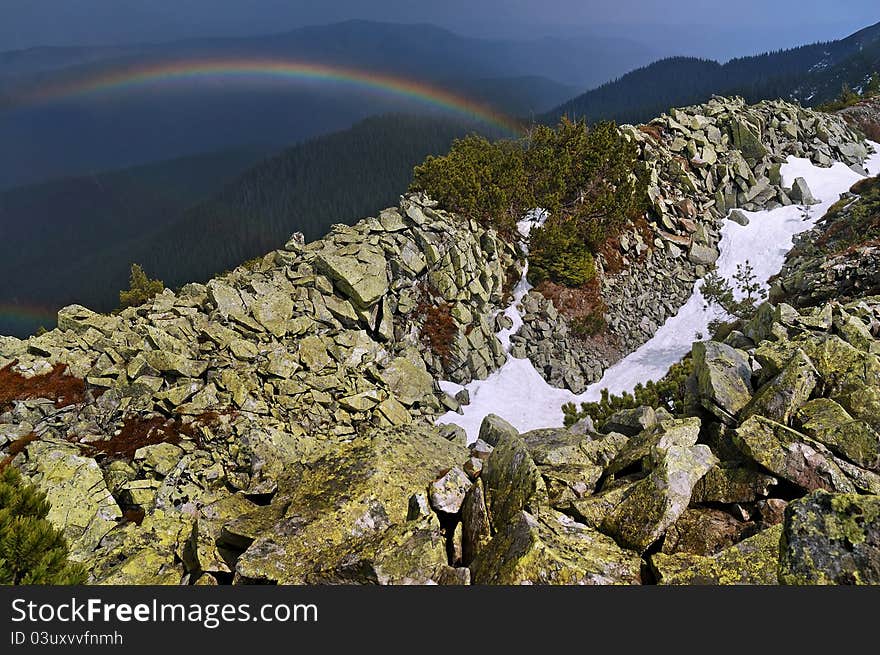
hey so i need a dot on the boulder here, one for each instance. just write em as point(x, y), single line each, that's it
point(787, 454)
point(800, 192)
point(512, 482)
point(732, 482)
point(448, 492)
point(651, 505)
point(551, 549)
point(360, 276)
point(407, 379)
point(494, 429)
point(753, 561)
point(780, 398)
point(630, 421)
point(831, 539)
point(828, 423)
point(703, 531)
point(723, 379)
point(82, 507)
point(337, 510)
point(476, 531)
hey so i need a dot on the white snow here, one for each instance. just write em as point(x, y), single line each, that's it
point(518, 393)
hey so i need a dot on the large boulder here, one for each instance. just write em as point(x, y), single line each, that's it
point(723, 378)
point(82, 507)
point(753, 561)
point(829, 423)
point(780, 398)
point(654, 503)
point(787, 454)
point(407, 379)
point(512, 482)
point(336, 509)
point(831, 539)
point(551, 548)
point(359, 272)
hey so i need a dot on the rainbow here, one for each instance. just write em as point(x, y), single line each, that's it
point(26, 316)
point(270, 69)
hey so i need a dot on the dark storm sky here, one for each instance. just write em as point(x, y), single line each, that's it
point(706, 27)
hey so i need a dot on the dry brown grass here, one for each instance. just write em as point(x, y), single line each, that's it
point(57, 385)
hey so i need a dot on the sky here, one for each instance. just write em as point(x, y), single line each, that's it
point(719, 29)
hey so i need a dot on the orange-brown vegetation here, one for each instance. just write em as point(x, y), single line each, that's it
point(57, 385)
point(583, 306)
point(137, 432)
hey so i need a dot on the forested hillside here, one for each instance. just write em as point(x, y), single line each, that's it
point(331, 179)
point(811, 74)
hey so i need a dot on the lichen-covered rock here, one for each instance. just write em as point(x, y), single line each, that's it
point(411, 553)
point(82, 507)
point(828, 423)
point(476, 531)
point(550, 548)
point(787, 454)
point(512, 482)
point(359, 273)
point(831, 539)
point(732, 482)
point(753, 561)
point(341, 502)
point(630, 421)
point(407, 379)
point(723, 379)
point(651, 505)
point(494, 428)
point(780, 398)
point(651, 444)
point(448, 492)
point(703, 531)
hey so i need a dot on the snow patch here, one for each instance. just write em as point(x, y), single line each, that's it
point(518, 393)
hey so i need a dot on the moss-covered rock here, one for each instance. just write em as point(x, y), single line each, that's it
point(703, 531)
point(753, 561)
point(651, 444)
point(651, 505)
point(831, 539)
point(340, 504)
point(550, 548)
point(787, 454)
point(82, 507)
point(512, 482)
point(723, 378)
point(780, 398)
point(732, 482)
point(829, 423)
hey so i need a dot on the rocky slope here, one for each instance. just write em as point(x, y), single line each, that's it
point(703, 161)
point(275, 424)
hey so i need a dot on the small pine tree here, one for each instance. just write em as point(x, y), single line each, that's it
point(141, 288)
point(718, 291)
point(32, 551)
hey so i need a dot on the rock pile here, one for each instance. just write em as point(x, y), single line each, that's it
point(703, 161)
point(840, 257)
point(208, 395)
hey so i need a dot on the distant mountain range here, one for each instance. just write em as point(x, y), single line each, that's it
point(810, 74)
point(75, 134)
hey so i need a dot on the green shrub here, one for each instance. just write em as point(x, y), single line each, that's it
point(141, 289)
point(32, 551)
point(588, 178)
point(668, 392)
point(478, 178)
point(558, 252)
